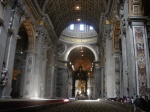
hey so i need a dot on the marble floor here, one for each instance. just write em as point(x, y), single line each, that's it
point(92, 106)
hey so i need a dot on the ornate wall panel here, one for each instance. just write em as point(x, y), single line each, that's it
point(116, 36)
point(29, 63)
point(29, 28)
point(77, 40)
point(140, 61)
point(135, 8)
point(117, 76)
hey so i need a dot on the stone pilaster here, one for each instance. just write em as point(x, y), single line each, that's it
point(51, 72)
point(117, 57)
point(29, 75)
point(9, 46)
point(141, 54)
point(62, 82)
point(42, 46)
point(36, 90)
point(102, 82)
point(44, 68)
point(124, 78)
point(97, 84)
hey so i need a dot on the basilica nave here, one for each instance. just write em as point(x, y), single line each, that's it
point(74, 49)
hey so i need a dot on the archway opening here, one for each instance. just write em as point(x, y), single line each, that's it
point(81, 61)
point(19, 63)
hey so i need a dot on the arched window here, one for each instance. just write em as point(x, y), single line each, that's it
point(91, 28)
point(71, 27)
point(81, 27)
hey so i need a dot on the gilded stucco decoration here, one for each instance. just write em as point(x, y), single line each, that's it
point(76, 40)
point(135, 8)
point(31, 34)
point(116, 36)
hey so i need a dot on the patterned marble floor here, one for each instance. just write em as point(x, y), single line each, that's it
point(92, 106)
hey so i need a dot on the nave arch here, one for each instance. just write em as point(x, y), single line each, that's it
point(25, 48)
point(87, 46)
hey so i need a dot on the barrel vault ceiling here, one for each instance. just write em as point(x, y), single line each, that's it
point(65, 12)
point(81, 56)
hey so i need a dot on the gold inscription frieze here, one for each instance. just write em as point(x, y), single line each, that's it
point(91, 40)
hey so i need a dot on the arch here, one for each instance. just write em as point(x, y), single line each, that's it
point(28, 25)
point(87, 46)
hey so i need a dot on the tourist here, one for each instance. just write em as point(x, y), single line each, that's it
point(142, 103)
point(147, 104)
point(132, 100)
point(136, 103)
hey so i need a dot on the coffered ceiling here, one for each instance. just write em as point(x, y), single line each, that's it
point(65, 12)
point(81, 56)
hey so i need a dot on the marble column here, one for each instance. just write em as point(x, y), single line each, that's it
point(50, 73)
point(90, 87)
point(22, 68)
point(38, 65)
point(138, 35)
point(9, 49)
point(102, 82)
point(138, 53)
point(125, 77)
point(69, 85)
point(64, 87)
point(29, 75)
point(44, 64)
point(4, 15)
point(109, 70)
point(117, 59)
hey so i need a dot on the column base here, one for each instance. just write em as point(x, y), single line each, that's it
point(5, 97)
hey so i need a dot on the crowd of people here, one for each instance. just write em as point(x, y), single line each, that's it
point(142, 103)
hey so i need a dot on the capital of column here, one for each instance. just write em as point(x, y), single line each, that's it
point(133, 19)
